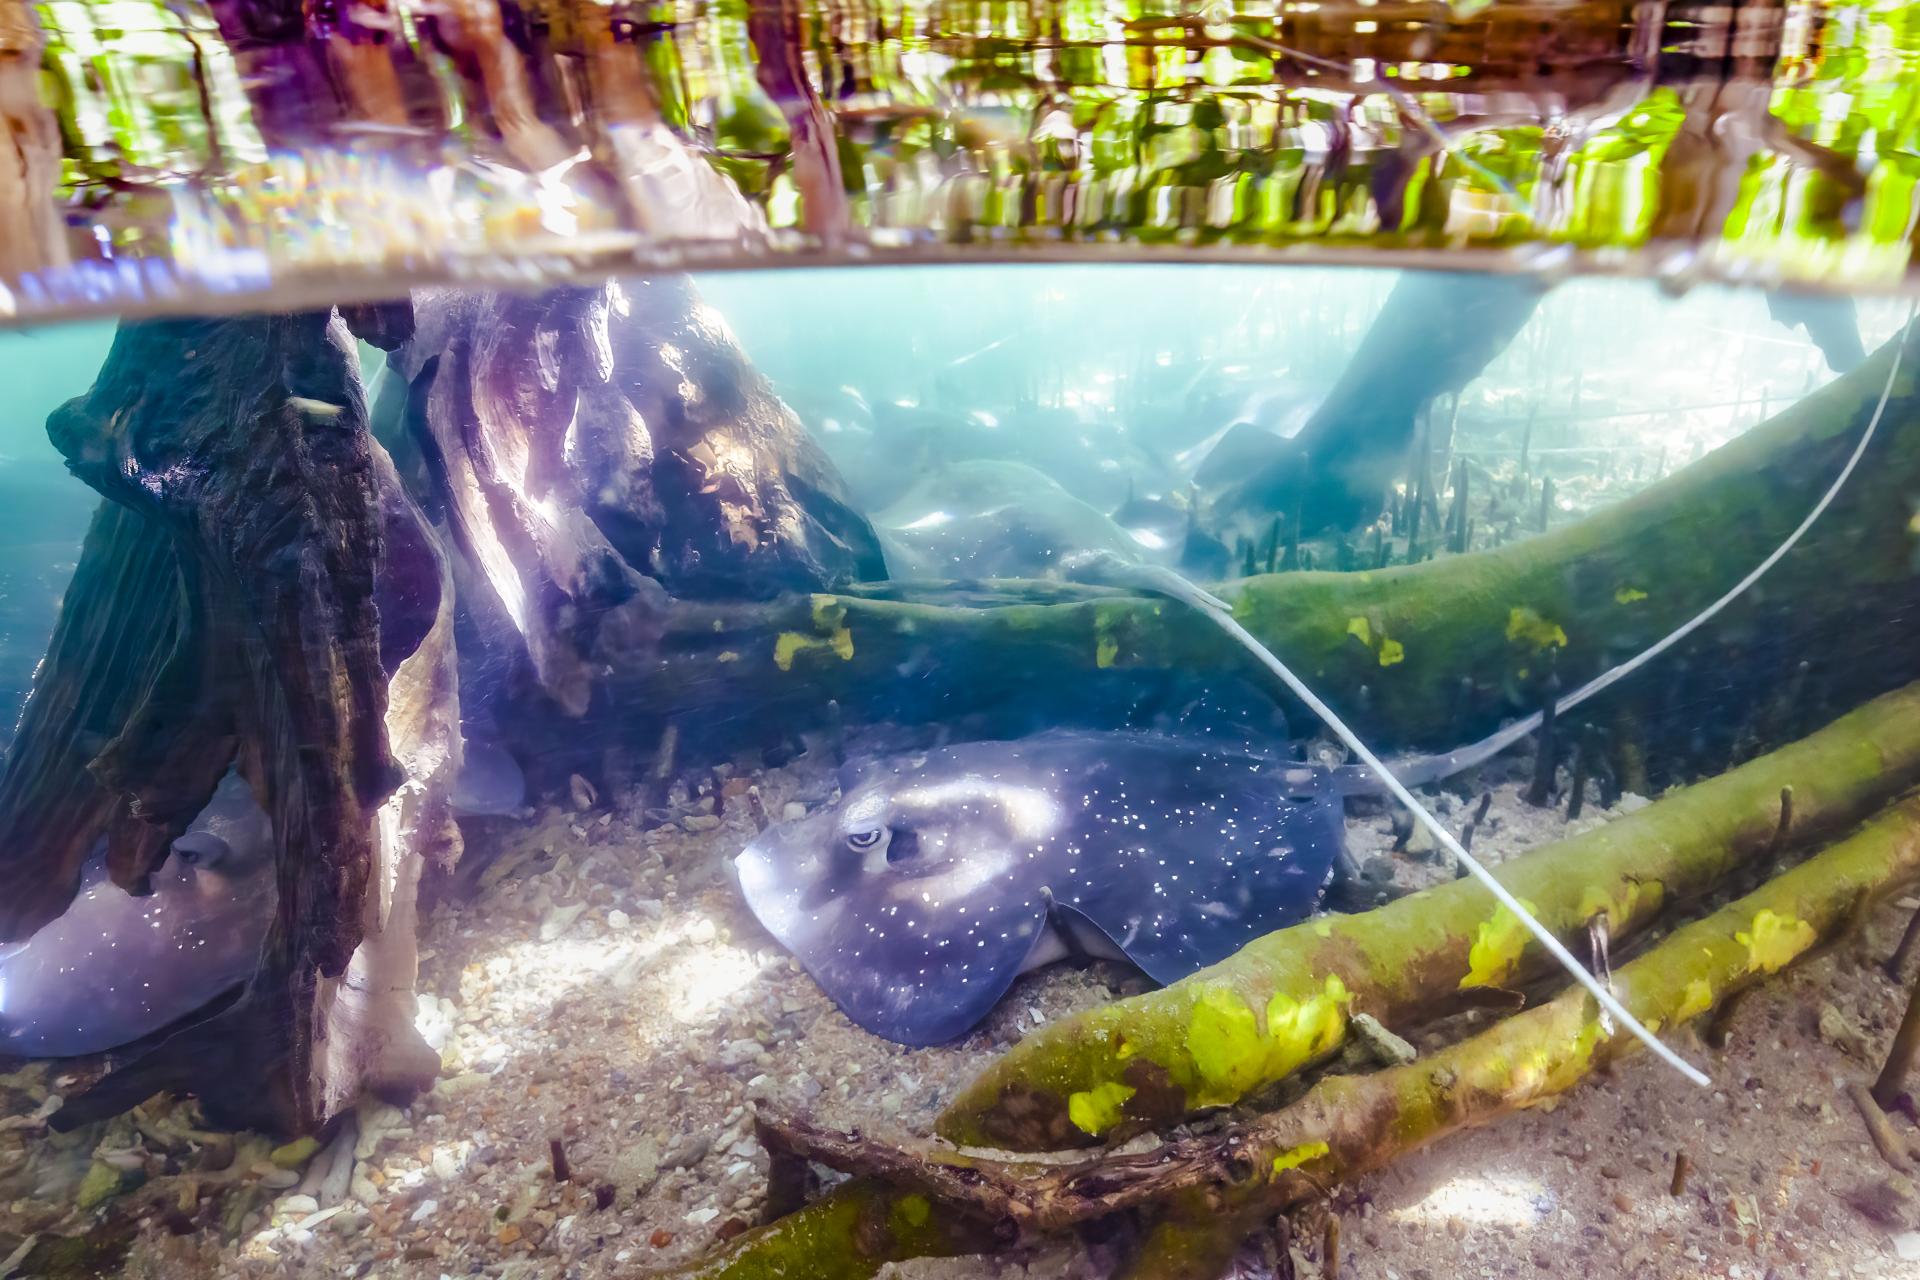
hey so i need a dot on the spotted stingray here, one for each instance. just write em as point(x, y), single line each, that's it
point(939, 877)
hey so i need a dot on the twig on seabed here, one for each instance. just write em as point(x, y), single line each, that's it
point(1879, 1128)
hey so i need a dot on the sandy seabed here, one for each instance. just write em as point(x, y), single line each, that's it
point(604, 988)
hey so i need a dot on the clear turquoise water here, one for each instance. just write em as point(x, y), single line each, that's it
point(1156, 356)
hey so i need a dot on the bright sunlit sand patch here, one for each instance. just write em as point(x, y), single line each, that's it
point(527, 979)
point(1491, 1199)
point(702, 982)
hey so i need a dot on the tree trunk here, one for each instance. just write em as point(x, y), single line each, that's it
point(257, 593)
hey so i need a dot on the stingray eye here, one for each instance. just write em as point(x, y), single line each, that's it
point(862, 841)
point(202, 849)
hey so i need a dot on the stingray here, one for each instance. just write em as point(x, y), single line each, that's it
point(939, 877)
point(489, 784)
point(113, 968)
point(988, 518)
point(936, 879)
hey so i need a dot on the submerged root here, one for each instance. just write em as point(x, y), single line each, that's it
point(1346, 1125)
point(1287, 1002)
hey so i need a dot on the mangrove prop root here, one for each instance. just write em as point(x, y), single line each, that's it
point(1284, 1002)
point(257, 591)
point(117, 630)
point(585, 472)
point(247, 456)
point(372, 1042)
point(1359, 435)
point(1351, 1125)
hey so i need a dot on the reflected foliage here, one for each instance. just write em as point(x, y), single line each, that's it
point(236, 143)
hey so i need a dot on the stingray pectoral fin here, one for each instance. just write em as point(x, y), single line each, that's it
point(489, 783)
point(1187, 905)
point(903, 968)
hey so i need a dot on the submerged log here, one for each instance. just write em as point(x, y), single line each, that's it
point(1444, 649)
point(246, 594)
point(1347, 1126)
point(1149, 1061)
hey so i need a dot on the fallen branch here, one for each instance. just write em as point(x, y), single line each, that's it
point(1350, 1125)
point(1148, 1061)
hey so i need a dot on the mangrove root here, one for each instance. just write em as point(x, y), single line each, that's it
point(1337, 469)
point(256, 593)
point(1350, 1125)
point(589, 447)
point(1150, 1060)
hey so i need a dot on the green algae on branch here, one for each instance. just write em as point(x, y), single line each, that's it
point(1360, 1123)
point(1283, 1002)
point(848, 1234)
point(1350, 1125)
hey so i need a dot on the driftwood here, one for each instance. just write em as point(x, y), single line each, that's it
point(1350, 1125)
point(588, 448)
